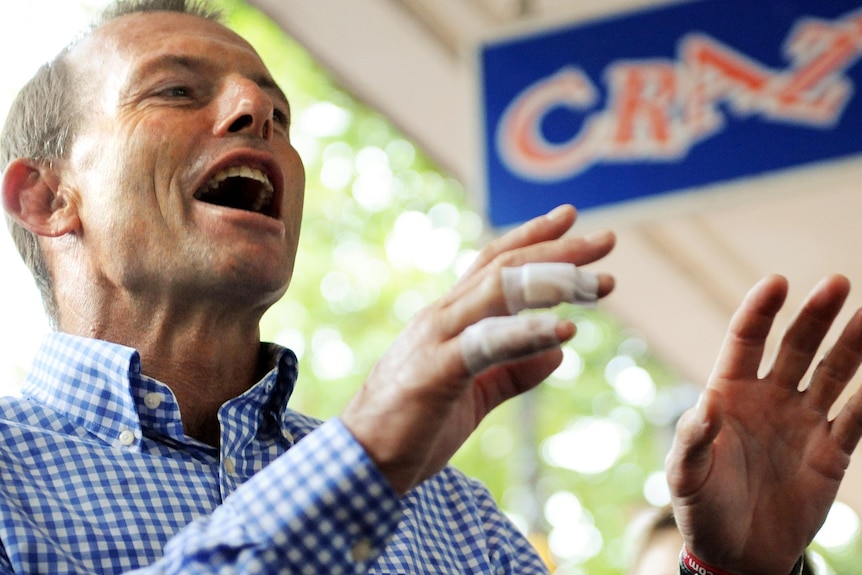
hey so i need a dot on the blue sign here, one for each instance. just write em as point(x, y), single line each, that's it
point(668, 99)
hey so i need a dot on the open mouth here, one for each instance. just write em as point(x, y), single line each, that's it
point(241, 188)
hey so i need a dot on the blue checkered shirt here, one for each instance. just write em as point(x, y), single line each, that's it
point(97, 476)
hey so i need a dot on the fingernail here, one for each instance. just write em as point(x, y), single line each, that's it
point(558, 212)
point(598, 237)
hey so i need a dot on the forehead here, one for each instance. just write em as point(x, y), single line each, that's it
point(135, 39)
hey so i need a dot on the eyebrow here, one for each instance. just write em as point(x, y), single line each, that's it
point(195, 64)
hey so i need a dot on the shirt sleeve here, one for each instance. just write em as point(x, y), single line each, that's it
point(322, 507)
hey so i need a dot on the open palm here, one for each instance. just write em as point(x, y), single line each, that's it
point(757, 463)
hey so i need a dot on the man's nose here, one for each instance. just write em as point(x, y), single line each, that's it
point(244, 108)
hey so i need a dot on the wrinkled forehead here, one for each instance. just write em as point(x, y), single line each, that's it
point(111, 51)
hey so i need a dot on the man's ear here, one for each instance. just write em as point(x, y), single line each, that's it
point(33, 197)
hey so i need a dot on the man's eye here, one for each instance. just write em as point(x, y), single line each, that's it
point(177, 92)
point(280, 118)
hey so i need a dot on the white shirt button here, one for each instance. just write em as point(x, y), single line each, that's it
point(361, 551)
point(127, 437)
point(153, 400)
point(229, 465)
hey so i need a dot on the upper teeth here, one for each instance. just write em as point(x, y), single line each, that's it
point(245, 172)
point(240, 172)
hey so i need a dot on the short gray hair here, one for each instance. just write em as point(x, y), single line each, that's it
point(45, 117)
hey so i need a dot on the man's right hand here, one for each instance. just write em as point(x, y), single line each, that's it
point(424, 398)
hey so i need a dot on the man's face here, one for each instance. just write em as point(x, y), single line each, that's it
point(183, 173)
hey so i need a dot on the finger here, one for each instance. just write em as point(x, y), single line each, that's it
point(483, 294)
point(847, 426)
point(501, 339)
point(834, 372)
point(547, 284)
point(689, 460)
point(742, 350)
point(505, 381)
point(805, 334)
point(541, 229)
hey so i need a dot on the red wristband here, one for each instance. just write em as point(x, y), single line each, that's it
point(697, 566)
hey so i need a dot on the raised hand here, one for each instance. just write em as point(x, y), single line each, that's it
point(427, 394)
point(757, 463)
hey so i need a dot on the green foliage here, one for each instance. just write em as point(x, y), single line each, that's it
point(588, 441)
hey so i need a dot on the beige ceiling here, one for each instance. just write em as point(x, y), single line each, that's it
point(681, 266)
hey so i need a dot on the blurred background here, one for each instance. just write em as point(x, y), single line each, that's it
point(385, 119)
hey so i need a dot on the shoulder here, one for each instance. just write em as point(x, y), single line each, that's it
point(451, 488)
point(456, 507)
point(23, 419)
point(18, 410)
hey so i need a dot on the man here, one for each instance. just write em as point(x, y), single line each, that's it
point(155, 194)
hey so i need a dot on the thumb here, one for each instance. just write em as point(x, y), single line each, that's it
point(690, 458)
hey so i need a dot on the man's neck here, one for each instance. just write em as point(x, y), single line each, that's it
point(205, 357)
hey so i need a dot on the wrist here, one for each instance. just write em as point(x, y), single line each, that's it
point(691, 565)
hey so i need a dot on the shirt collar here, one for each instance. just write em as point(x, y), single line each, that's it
point(99, 386)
